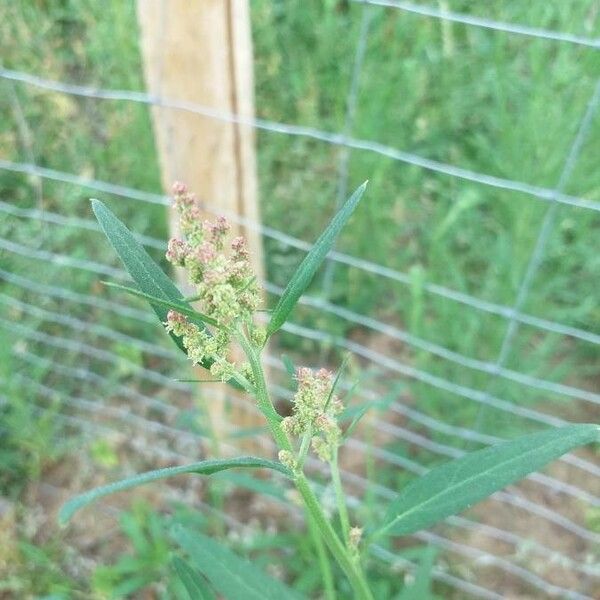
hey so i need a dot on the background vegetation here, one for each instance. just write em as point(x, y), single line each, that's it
point(496, 103)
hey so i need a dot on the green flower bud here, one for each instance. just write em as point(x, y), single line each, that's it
point(286, 458)
point(354, 537)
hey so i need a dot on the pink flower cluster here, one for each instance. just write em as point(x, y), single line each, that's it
point(225, 283)
point(315, 410)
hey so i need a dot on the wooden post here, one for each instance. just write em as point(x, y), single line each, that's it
point(200, 51)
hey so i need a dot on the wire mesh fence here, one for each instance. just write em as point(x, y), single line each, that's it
point(96, 355)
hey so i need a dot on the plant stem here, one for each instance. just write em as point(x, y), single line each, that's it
point(193, 298)
point(324, 563)
point(304, 448)
point(339, 551)
point(370, 467)
point(262, 395)
point(323, 526)
point(339, 496)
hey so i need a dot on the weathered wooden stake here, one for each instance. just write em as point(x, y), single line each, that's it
point(200, 52)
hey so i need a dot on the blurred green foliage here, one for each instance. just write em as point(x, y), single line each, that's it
point(496, 103)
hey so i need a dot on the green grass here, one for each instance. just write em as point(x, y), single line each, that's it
point(490, 102)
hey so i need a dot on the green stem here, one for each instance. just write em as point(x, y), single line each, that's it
point(322, 557)
point(193, 298)
point(323, 526)
point(304, 449)
point(315, 535)
point(262, 395)
point(339, 496)
point(242, 382)
point(339, 551)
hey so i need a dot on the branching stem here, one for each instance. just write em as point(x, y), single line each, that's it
point(339, 496)
point(322, 525)
point(324, 564)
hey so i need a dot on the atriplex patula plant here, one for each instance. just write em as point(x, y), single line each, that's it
point(228, 297)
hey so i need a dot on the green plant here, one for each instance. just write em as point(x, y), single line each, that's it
point(24, 456)
point(147, 563)
point(30, 569)
point(229, 296)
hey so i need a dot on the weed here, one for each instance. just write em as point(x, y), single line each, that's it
point(229, 298)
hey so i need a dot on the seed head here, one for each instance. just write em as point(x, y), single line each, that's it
point(322, 449)
point(179, 325)
point(179, 189)
point(224, 281)
point(315, 410)
point(286, 458)
point(354, 537)
point(258, 335)
point(222, 369)
point(177, 252)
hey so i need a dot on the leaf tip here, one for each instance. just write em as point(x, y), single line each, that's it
point(64, 514)
point(96, 205)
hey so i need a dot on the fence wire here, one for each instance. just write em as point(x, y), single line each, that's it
point(336, 139)
point(79, 355)
point(447, 15)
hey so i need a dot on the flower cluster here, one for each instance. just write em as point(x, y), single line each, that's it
point(354, 538)
point(202, 345)
point(225, 283)
point(315, 410)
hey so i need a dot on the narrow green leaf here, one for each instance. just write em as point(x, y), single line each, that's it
point(358, 411)
point(289, 365)
point(149, 277)
point(336, 381)
point(193, 315)
point(312, 261)
point(456, 485)
point(361, 413)
point(232, 576)
point(420, 586)
point(207, 467)
point(197, 587)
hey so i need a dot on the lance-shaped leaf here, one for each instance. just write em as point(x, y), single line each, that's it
point(233, 577)
point(149, 277)
point(207, 467)
point(419, 585)
point(456, 485)
point(312, 261)
point(197, 587)
point(289, 366)
point(355, 421)
point(336, 381)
